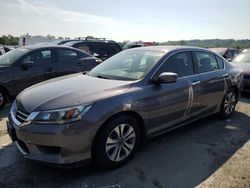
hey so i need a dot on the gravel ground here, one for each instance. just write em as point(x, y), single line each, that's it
point(207, 153)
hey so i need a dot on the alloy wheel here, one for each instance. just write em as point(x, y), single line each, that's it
point(230, 102)
point(120, 142)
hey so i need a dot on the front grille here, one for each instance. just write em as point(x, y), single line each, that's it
point(21, 116)
point(49, 149)
point(19, 112)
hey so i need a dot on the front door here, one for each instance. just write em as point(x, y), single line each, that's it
point(42, 67)
point(171, 102)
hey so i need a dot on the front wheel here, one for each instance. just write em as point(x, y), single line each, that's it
point(116, 142)
point(228, 104)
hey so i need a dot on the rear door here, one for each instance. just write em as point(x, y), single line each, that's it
point(68, 62)
point(212, 73)
point(71, 61)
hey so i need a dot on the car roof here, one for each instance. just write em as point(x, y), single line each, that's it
point(91, 41)
point(167, 48)
point(35, 47)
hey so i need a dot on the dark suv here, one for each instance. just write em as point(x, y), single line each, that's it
point(100, 48)
point(26, 66)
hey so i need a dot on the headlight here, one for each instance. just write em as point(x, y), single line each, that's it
point(60, 116)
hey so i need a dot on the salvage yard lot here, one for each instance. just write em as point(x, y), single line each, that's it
point(208, 153)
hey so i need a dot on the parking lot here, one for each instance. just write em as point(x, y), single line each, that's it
point(207, 153)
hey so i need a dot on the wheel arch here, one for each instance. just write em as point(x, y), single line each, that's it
point(5, 90)
point(133, 114)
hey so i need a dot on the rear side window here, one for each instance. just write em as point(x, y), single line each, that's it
point(66, 55)
point(113, 48)
point(83, 46)
point(180, 63)
point(40, 57)
point(206, 62)
point(97, 48)
point(220, 62)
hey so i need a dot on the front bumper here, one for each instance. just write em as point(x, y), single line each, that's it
point(59, 144)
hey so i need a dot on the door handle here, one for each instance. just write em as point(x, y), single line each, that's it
point(79, 64)
point(225, 75)
point(196, 83)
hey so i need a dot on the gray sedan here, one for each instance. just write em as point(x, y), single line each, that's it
point(104, 115)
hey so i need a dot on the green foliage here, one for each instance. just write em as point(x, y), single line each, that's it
point(211, 43)
point(9, 40)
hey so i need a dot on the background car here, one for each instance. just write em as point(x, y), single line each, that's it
point(243, 61)
point(246, 50)
point(100, 48)
point(134, 95)
point(227, 53)
point(26, 66)
point(2, 51)
point(134, 44)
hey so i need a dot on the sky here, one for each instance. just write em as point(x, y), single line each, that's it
point(154, 20)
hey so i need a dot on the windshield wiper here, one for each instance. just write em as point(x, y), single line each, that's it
point(103, 77)
point(85, 72)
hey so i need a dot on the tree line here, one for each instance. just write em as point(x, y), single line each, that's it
point(209, 43)
point(9, 40)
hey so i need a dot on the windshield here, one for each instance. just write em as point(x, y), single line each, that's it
point(242, 58)
point(127, 65)
point(13, 55)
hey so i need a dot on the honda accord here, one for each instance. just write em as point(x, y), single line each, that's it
point(105, 114)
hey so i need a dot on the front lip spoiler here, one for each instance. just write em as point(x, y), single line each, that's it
point(20, 149)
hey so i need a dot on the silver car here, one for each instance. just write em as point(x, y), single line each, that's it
point(243, 62)
point(105, 114)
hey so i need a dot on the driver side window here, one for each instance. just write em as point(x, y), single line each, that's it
point(180, 63)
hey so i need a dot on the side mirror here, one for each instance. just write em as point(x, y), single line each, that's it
point(167, 77)
point(27, 64)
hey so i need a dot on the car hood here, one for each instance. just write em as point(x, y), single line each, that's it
point(68, 91)
point(244, 66)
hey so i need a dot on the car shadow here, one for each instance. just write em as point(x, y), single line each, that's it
point(182, 158)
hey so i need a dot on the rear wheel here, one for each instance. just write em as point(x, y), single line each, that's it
point(3, 98)
point(117, 142)
point(228, 104)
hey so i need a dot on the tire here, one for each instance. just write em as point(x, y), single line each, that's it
point(228, 104)
point(3, 98)
point(116, 142)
